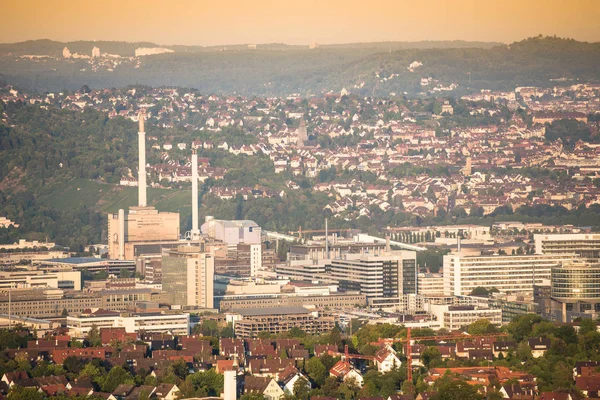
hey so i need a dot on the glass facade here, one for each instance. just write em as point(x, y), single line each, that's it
point(577, 281)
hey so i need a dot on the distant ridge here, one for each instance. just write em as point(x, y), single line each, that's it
point(54, 48)
point(367, 69)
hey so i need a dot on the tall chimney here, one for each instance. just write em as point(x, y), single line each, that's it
point(142, 162)
point(195, 230)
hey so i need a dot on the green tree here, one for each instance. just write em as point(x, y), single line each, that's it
point(457, 390)
point(316, 370)
point(480, 292)
point(22, 393)
point(481, 327)
point(93, 338)
point(431, 357)
point(115, 377)
point(302, 389)
point(587, 325)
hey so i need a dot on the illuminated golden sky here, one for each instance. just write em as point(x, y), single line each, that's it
point(212, 22)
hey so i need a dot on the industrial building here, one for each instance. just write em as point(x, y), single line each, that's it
point(142, 224)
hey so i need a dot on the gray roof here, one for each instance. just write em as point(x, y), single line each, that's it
point(250, 312)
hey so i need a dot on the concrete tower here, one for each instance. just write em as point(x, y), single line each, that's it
point(142, 162)
point(195, 229)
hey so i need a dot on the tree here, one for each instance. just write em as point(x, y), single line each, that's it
point(521, 326)
point(316, 370)
point(335, 337)
point(479, 292)
point(22, 393)
point(481, 327)
point(301, 389)
point(179, 368)
point(93, 338)
point(457, 390)
point(124, 273)
point(115, 377)
point(587, 325)
point(431, 356)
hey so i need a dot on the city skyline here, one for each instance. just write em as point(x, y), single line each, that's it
point(211, 23)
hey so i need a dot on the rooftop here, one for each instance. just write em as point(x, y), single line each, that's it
point(250, 312)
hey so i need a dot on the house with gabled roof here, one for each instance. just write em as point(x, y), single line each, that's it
point(345, 371)
point(387, 359)
point(264, 386)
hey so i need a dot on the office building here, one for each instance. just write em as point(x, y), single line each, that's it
point(336, 248)
point(175, 323)
point(463, 273)
point(248, 323)
point(576, 286)
point(585, 245)
point(390, 274)
point(51, 303)
point(458, 317)
point(430, 284)
point(32, 279)
point(188, 277)
point(333, 300)
point(91, 264)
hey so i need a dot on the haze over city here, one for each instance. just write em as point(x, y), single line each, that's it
point(210, 22)
point(311, 200)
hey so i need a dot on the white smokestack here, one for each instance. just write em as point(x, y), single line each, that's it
point(142, 162)
point(195, 230)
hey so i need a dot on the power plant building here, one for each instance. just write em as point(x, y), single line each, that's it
point(143, 225)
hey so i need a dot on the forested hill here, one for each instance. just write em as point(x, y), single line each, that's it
point(366, 69)
point(127, 49)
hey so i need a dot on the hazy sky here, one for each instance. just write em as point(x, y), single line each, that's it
point(208, 22)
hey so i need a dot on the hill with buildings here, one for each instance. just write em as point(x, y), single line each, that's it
point(382, 69)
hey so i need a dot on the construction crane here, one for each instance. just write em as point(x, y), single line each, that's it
point(409, 340)
point(346, 355)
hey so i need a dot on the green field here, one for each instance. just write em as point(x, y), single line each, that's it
point(109, 198)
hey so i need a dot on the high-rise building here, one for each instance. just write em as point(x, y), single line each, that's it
point(576, 285)
point(187, 276)
point(519, 273)
point(95, 52)
point(390, 274)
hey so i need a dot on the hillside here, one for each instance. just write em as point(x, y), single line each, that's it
point(367, 69)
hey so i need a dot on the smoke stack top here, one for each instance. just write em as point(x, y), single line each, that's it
point(141, 122)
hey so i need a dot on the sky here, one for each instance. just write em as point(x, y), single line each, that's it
point(222, 22)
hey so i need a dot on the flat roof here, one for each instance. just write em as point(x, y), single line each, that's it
point(249, 312)
point(85, 260)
